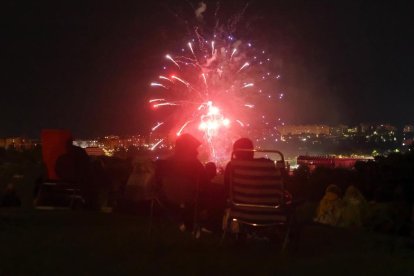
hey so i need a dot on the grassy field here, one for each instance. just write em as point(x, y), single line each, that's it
point(90, 243)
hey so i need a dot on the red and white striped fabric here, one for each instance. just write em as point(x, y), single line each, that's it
point(256, 191)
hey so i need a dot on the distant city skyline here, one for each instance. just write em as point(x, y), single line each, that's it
point(361, 140)
point(294, 129)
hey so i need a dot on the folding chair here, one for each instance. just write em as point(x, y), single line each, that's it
point(258, 197)
point(177, 199)
point(53, 195)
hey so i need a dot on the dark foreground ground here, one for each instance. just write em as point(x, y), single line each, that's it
point(88, 243)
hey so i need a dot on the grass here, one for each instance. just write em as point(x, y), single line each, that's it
point(90, 243)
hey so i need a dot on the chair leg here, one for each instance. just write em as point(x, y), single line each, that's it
point(151, 216)
point(286, 239)
point(38, 195)
point(287, 235)
point(225, 224)
point(223, 236)
point(75, 195)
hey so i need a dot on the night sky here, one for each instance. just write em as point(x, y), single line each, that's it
point(86, 66)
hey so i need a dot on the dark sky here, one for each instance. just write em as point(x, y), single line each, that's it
point(86, 66)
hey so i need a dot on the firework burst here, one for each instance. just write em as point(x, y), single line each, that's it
point(217, 86)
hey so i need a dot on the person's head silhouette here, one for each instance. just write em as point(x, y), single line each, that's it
point(69, 143)
point(211, 170)
point(186, 146)
point(243, 144)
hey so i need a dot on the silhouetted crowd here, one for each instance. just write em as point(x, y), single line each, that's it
point(182, 184)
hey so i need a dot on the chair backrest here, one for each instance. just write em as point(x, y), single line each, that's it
point(140, 182)
point(58, 195)
point(256, 182)
point(257, 189)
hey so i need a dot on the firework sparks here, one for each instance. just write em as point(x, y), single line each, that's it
point(232, 53)
point(156, 100)
point(182, 128)
point(248, 85)
point(212, 121)
point(180, 80)
point(244, 66)
point(165, 104)
point(157, 126)
point(204, 78)
point(165, 78)
point(170, 58)
point(240, 123)
point(158, 84)
point(215, 85)
point(157, 144)
point(191, 47)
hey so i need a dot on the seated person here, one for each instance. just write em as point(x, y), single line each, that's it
point(246, 144)
point(255, 186)
point(138, 186)
point(355, 208)
point(136, 197)
point(74, 167)
point(330, 207)
point(211, 170)
point(242, 143)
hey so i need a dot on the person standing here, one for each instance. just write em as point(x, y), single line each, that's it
point(180, 179)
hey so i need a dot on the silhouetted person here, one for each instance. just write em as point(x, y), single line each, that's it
point(73, 167)
point(240, 144)
point(181, 178)
point(97, 188)
point(139, 188)
point(355, 208)
point(252, 181)
point(74, 164)
point(331, 206)
point(239, 154)
point(211, 170)
point(213, 200)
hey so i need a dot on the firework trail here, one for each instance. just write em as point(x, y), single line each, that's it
point(217, 85)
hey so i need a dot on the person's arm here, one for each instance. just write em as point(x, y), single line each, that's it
point(201, 176)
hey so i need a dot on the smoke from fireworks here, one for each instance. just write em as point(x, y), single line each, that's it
point(217, 85)
point(200, 10)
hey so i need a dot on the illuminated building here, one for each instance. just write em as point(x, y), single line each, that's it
point(366, 128)
point(314, 162)
point(386, 128)
point(338, 130)
point(352, 130)
point(18, 143)
point(408, 129)
point(304, 129)
point(408, 136)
